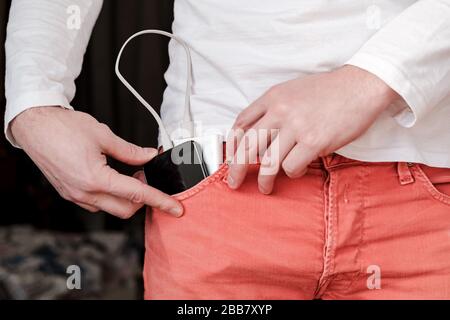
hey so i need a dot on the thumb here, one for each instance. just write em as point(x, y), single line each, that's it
point(125, 151)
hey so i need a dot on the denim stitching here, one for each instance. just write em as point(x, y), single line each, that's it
point(329, 234)
point(429, 186)
point(362, 235)
point(219, 174)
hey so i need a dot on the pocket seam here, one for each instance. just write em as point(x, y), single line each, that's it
point(216, 176)
point(434, 192)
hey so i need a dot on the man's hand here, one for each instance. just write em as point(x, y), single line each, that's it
point(70, 147)
point(314, 116)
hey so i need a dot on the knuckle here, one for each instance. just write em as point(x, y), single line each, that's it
point(105, 181)
point(324, 149)
point(65, 195)
point(91, 185)
point(92, 210)
point(78, 196)
point(273, 92)
point(133, 150)
point(281, 108)
point(91, 182)
point(311, 141)
point(129, 213)
point(137, 196)
point(104, 129)
point(124, 215)
point(63, 192)
point(86, 117)
point(241, 120)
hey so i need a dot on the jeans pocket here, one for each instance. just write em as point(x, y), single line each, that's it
point(219, 175)
point(435, 180)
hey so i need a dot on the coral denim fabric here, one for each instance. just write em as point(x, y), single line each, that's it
point(346, 230)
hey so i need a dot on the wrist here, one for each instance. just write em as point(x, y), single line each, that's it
point(372, 90)
point(24, 120)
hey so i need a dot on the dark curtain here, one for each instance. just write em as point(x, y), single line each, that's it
point(143, 63)
point(25, 194)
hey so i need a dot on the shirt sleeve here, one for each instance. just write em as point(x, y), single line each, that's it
point(45, 44)
point(411, 54)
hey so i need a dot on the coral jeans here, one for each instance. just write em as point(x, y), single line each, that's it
point(345, 230)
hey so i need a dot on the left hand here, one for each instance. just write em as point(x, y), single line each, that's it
point(313, 115)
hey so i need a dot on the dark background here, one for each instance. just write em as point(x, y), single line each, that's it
point(25, 195)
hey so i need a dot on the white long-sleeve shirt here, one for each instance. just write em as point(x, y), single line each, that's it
point(242, 48)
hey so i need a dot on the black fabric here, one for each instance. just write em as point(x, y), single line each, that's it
point(143, 64)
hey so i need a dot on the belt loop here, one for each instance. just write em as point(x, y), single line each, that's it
point(404, 173)
point(327, 161)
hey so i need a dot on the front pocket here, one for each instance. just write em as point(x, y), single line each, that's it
point(430, 181)
point(215, 177)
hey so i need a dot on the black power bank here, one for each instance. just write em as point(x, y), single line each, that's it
point(177, 169)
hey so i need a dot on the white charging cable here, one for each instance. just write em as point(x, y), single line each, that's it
point(187, 118)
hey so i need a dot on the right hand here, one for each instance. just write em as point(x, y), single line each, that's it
point(69, 147)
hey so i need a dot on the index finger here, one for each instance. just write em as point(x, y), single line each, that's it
point(248, 117)
point(246, 154)
point(138, 192)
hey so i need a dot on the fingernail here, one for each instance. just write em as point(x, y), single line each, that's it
point(151, 152)
point(176, 211)
point(231, 182)
point(263, 190)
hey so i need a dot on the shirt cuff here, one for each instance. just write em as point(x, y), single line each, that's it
point(29, 100)
point(414, 106)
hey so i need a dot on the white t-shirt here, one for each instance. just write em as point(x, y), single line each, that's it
point(242, 48)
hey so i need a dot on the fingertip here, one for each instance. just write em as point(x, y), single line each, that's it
point(295, 174)
point(180, 215)
point(265, 186)
point(150, 152)
point(264, 190)
point(231, 182)
point(266, 183)
point(174, 208)
point(177, 211)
